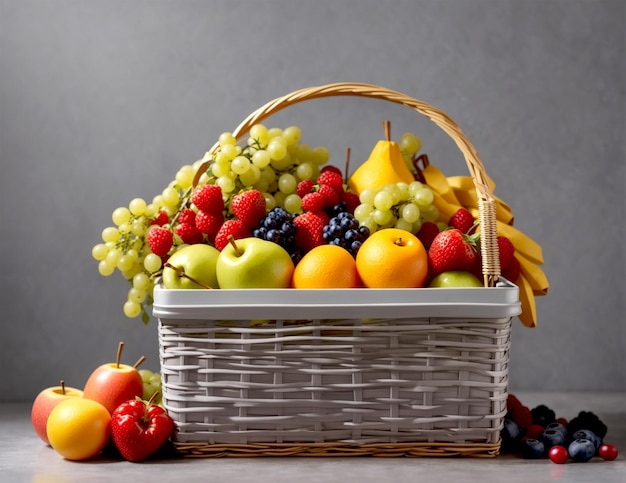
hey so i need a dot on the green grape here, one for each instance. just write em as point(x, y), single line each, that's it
point(423, 197)
point(281, 164)
point(184, 176)
point(277, 149)
point(321, 155)
point(226, 183)
point(279, 197)
point(431, 213)
point(292, 134)
point(120, 215)
point(240, 165)
point(132, 309)
point(125, 228)
point(383, 201)
point(136, 295)
point(259, 132)
point(221, 169)
point(363, 211)
point(250, 177)
point(270, 201)
point(152, 263)
point(414, 187)
point(261, 158)
point(137, 207)
point(305, 171)
point(403, 225)
point(305, 153)
point(367, 196)
point(99, 251)
point(151, 210)
point(229, 151)
point(410, 213)
point(293, 203)
point(369, 223)
point(227, 139)
point(383, 217)
point(105, 268)
point(170, 197)
point(139, 227)
point(141, 281)
point(113, 256)
point(110, 234)
point(125, 263)
point(274, 132)
point(410, 144)
point(287, 183)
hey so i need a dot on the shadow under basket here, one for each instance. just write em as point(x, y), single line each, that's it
point(346, 372)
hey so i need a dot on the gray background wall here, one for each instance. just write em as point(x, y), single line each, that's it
point(102, 101)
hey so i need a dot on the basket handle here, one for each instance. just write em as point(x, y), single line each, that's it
point(486, 200)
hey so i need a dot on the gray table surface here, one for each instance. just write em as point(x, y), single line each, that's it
point(24, 458)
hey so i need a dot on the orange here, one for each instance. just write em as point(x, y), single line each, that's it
point(392, 258)
point(326, 266)
point(79, 429)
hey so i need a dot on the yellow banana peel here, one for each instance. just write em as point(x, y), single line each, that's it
point(455, 192)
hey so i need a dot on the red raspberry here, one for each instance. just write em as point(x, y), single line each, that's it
point(249, 207)
point(512, 272)
point(236, 228)
point(209, 223)
point(522, 417)
point(208, 198)
point(309, 229)
point(462, 220)
point(331, 178)
point(512, 402)
point(535, 431)
point(187, 216)
point(189, 233)
point(160, 240)
point(161, 219)
point(563, 421)
point(351, 200)
point(427, 233)
point(331, 197)
point(506, 250)
point(313, 202)
point(305, 186)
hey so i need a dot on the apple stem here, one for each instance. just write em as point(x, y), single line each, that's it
point(62, 387)
point(182, 273)
point(118, 358)
point(387, 130)
point(347, 165)
point(231, 240)
point(399, 242)
point(152, 398)
point(139, 362)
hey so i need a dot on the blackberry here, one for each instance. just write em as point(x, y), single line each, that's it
point(278, 227)
point(543, 415)
point(343, 230)
point(587, 420)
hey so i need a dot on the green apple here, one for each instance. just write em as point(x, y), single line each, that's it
point(254, 263)
point(191, 264)
point(456, 278)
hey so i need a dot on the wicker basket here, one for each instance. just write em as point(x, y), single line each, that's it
point(348, 372)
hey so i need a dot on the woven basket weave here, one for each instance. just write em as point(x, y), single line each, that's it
point(415, 372)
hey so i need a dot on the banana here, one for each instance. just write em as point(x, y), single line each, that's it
point(455, 192)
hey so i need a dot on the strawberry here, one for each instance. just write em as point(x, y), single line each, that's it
point(513, 271)
point(351, 200)
point(313, 202)
point(451, 250)
point(331, 197)
point(187, 215)
point(427, 233)
point(160, 240)
point(506, 251)
point(139, 429)
point(209, 223)
point(189, 233)
point(462, 220)
point(309, 229)
point(161, 219)
point(304, 187)
point(208, 198)
point(249, 207)
point(236, 228)
point(331, 178)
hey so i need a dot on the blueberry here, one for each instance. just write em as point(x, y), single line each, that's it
point(581, 450)
point(587, 434)
point(364, 231)
point(354, 246)
point(553, 437)
point(558, 427)
point(533, 448)
point(510, 434)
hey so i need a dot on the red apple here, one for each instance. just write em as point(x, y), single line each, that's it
point(114, 383)
point(45, 402)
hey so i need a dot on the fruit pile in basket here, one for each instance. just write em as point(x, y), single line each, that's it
point(269, 211)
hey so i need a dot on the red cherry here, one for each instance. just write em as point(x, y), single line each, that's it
point(607, 452)
point(558, 454)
